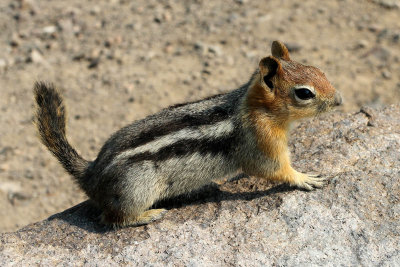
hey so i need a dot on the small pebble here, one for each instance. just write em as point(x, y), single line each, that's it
point(386, 74)
point(94, 62)
point(3, 64)
point(49, 29)
point(293, 47)
point(362, 44)
point(215, 49)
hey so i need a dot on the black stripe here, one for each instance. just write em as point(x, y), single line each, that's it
point(194, 102)
point(216, 115)
point(223, 145)
point(122, 140)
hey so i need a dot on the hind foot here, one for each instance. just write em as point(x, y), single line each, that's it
point(146, 217)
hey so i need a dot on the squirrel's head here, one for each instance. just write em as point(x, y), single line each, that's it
point(289, 89)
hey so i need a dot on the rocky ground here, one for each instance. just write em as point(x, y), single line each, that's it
point(118, 61)
point(353, 221)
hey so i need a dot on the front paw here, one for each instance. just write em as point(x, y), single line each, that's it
point(308, 182)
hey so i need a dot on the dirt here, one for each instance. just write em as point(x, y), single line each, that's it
point(118, 61)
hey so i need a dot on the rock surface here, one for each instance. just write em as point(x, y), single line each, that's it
point(353, 221)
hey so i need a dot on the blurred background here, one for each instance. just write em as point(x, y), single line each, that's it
point(117, 61)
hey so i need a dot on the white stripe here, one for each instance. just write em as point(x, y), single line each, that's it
point(216, 130)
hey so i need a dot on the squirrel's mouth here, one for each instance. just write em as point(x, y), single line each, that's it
point(323, 107)
point(327, 106)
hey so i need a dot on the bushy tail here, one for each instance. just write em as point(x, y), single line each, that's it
point(50, 122)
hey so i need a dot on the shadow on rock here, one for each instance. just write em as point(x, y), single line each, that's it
point(87, 216)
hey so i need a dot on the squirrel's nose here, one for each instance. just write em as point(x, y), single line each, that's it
point(338, 99)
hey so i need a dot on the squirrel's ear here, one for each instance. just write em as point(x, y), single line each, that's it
point(279, 50)
point(269, 67)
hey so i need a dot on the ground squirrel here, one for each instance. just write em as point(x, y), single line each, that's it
point(186, 146)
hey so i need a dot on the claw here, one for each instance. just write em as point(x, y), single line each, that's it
point(314, 174)
point(318, 181)
point(306, 186)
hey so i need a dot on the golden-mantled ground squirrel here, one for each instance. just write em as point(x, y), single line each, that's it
point(186, 146)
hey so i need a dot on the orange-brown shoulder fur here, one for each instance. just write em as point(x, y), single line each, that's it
point(273, 102)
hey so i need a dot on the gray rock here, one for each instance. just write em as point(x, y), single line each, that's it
point(353, 221)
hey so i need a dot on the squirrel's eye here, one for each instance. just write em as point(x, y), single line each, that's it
point(304, 93)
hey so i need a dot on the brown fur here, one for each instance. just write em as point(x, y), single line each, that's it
point(269, 111)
